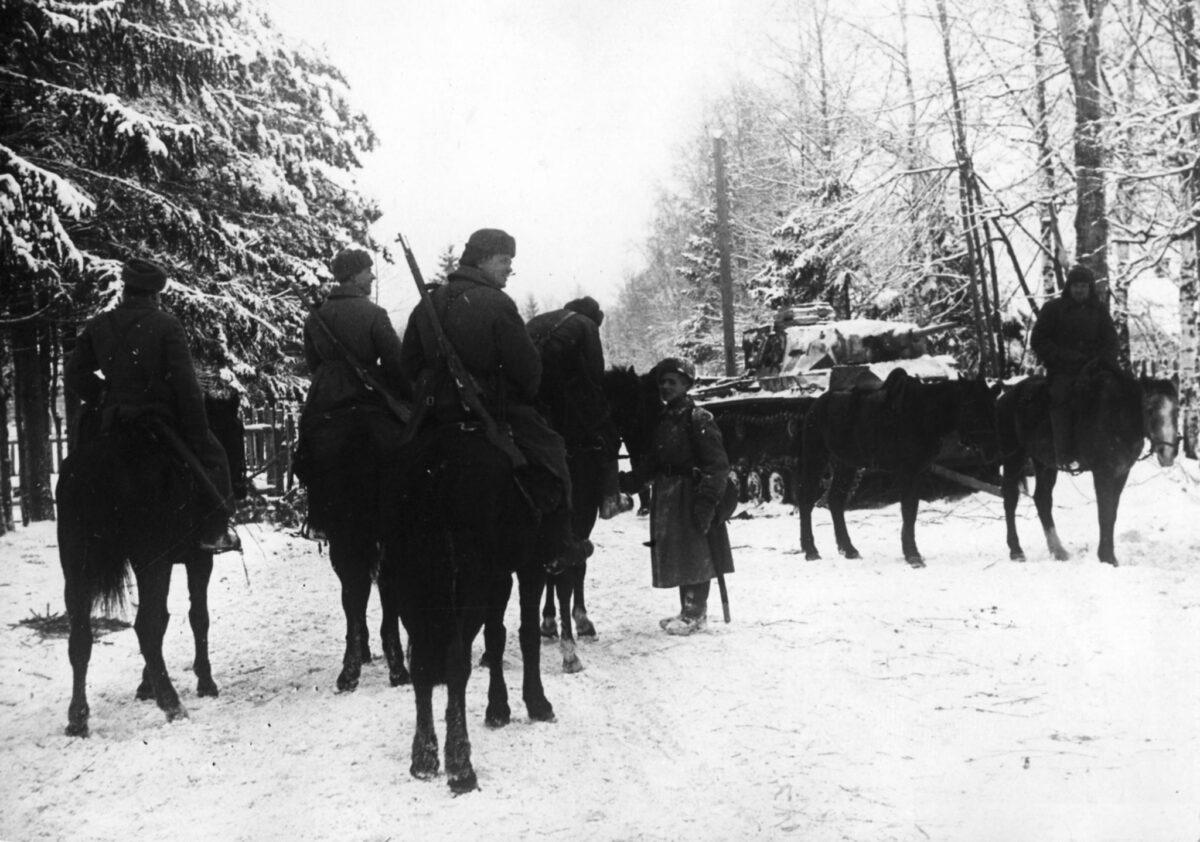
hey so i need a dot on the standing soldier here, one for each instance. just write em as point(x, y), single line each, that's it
point(143, 354)
point(689, 472)
point(485, 328)
point(1072, 331)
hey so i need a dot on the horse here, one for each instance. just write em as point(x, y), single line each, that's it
point(1115, 412)
point(462, 527)
point(345, 455)
point(635, 407)
point(127, 501)
point(897, 427)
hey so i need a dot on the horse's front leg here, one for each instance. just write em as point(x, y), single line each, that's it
point(1108, 487)
point(909, 501)
point(154, 584)
point(460, 775)
point(583, 624)
point(549, 627)
point(1045, 477)
point(564, 584)
point(530, 583)
point(199, 573)
point(839, 492)
point(352, 557)
point(79, 645)
point(807, 492)
point(1011, 492)
point(425, 760)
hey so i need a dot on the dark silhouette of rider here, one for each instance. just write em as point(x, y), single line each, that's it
point(147, 370)
point(1072, 331)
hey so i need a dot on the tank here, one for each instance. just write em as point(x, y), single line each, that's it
point(804, 352)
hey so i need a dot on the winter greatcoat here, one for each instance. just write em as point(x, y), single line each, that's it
point(483, 325)
point(143, 353)
point(688, 469)
point(1069, 333)
point(365, 331)
point(571, 394)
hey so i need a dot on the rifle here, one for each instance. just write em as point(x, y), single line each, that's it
point(394, 405)
point(468, 389)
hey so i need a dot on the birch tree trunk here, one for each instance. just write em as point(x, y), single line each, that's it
point(1079, 28)
point(6, 497)
point(1189, 281)
point(1047, 177)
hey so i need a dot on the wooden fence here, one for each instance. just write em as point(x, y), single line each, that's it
point(269, 441)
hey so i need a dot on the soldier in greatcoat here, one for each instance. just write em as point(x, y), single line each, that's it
point(142, 351)
point(688, 470)
point(1072, 331)
point(483, 325)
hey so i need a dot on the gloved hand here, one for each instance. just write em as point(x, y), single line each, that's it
point(702, 515)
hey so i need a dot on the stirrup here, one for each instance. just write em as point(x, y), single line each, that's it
point(227, 542)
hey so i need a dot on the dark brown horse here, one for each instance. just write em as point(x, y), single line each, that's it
point(462, 527)
point(898, 427)
point(1115, 413)
point(126, 502)
point(347, 453)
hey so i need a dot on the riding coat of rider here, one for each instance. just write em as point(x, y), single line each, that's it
point(143, 354)
point(1072, 330)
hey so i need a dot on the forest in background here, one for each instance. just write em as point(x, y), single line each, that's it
point(934, 161)
point(942, 161)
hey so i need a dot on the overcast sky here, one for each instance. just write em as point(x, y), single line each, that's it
point(553, 119)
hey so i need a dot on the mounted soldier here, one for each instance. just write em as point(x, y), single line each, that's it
point(572, 399)
point(148, 376)
point(483, 325)
point(1072, 331)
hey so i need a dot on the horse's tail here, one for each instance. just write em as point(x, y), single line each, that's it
point(89, 536)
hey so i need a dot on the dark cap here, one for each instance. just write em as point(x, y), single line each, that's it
point(586, 306)
point(1080, 274)
point(675, 365)
point(349, 262)
point(144, 275)
point(487, 242)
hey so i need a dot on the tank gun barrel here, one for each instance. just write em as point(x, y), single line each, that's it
point(932, 329)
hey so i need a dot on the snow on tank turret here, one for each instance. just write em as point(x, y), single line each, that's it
point(804, 352)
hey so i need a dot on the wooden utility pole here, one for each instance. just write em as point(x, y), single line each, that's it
point(723, 252)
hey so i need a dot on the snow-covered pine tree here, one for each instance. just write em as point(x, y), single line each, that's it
point(190, 132)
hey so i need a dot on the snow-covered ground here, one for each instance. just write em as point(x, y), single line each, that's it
point(977, 699)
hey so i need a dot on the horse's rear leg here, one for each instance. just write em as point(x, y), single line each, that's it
point(1108, 496)
point(549, 627)
point(1011, 492)
point(425, 760)
point(199, 572)
point(352, 558)
point(498, 712)
point(583, 624)
point(459, 773)
point(564, 584)
point(79, 647)
point(909, 501)
point(1043, 498)
point(530, 582)
point(839, 491)
point(389, 629)
point(154, 584)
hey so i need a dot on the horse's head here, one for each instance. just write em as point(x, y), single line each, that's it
point(1160, 418)
point(633, 402)
point(976, 417)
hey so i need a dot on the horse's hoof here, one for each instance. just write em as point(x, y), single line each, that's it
point(399, 677)
point(424, 769)
point(497, 719)
point(346, 683)
point(549, 628)
point(851, 553)
point(177, 712)
point(144, 692)
point(584, 626)
point(77, 729)
point(1061, 555)
point(1017, 555)
point(1111, 561)
point(812, 555)
point(207, 687)
point(541, 711)
point(915, 562)
point(465, 782)
point(485, 660)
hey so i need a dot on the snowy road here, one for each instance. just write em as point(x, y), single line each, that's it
point(978, 699)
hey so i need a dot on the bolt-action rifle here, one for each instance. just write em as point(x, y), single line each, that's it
point(468, 389)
